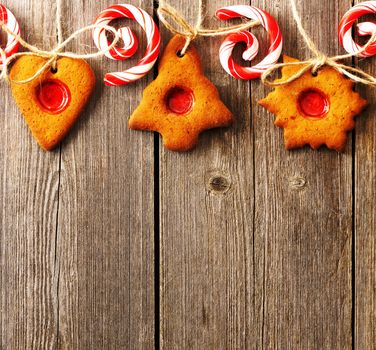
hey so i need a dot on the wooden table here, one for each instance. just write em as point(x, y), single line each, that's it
point(112, 242)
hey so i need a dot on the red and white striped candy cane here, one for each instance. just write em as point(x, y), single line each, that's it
point(225, 51)
point(130, 42)
point(10, 21)
point(364, 28)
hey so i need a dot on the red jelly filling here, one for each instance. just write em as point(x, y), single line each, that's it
point(180, 100)
point(313, 103)
point(54, 96)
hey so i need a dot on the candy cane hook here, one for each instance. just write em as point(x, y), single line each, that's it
point(364, 28)
point(225, 52)
point(130, 42)
point(10, 21)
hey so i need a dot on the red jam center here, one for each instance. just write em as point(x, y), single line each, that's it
point(180, 100)
point(54, 96)
point(313, 103)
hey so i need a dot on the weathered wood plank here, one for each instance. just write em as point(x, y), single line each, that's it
point(303, 213)
point(106, 230)
point(303, 223)
point(268, 262)
point(209, 294)
point(29, 186)
point(255, 241)
point(365, 218)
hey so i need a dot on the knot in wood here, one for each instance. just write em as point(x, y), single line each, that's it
point(219, 183)
point(297, 183)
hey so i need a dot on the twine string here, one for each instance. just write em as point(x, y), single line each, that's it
point(182, 27)
point(320, 60)
point(59, 27)
point(59, 30)
point(190, 33)
point(55, 53)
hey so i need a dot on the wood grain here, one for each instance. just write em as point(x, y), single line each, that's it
point(210, 298)
point(106, 213)
point(29, 195)
point(365, 218)
point(266, 264)
point(256, 243)
point(77, 263)
point(303, 213)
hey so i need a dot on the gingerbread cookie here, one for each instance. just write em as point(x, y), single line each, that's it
point(53, 101)
point(314, 110)
point(181, 103)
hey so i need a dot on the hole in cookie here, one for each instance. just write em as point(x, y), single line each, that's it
point(179, 54)
point(180, 100)
point(314, 74)
point(53, 96)
point(313, 103)
point(53, 70)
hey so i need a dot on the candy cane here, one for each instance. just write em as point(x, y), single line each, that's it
point(130, 42)
point(10, 21)
point(225, 51)
point(364, 28)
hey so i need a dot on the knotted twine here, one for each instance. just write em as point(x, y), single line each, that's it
point(191, 32)
point(320, 60)
point(55, 53)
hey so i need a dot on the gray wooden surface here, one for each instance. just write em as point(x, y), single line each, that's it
point(364, 234)
point(112, 242)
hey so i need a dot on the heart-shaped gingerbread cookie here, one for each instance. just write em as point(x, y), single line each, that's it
point(52, 102)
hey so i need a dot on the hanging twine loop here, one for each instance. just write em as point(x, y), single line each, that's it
point(59, 31)
point(320, 60)
point(52, 55)
point(182, 27)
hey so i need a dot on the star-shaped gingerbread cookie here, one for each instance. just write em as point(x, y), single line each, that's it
point(181, 103)
point(314, 110)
